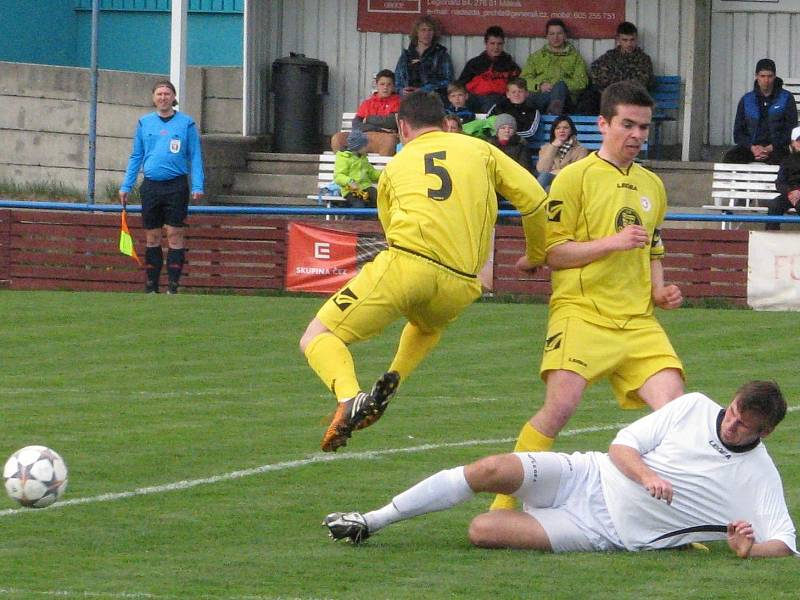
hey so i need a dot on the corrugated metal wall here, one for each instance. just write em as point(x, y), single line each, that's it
point(739, 38)
point(326, 29)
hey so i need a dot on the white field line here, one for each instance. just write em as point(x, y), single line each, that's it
point(128, 595)
point(282, 466)
point(294, 464)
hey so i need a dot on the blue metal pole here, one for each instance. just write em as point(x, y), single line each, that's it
point(93, 107)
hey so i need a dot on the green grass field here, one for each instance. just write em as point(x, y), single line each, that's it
point(191, 426)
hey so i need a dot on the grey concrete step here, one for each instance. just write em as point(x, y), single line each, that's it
point(282, 168)
point(247, 200)
point(262, 184)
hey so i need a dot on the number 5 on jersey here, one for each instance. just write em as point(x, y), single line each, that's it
point(446, 187)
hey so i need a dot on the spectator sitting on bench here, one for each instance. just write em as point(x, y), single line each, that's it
point(485, 76)
point(563, 149)
point(457, 95)
point(506, 138)
point(354, 174)
point(452, 124)
point(556, 73)
point(518, 104)
point(787, 183)
point(765, 118)
point(626, 62)
point(425, 64)
point(375, 117)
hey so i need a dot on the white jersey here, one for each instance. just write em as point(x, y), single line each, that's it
point(712, 484)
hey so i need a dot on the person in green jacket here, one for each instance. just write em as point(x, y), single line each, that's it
point(556, 73)
point(354, 174)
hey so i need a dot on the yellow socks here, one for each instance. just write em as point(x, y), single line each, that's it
point(529, 440)
point(333, 363)
point(414, 346)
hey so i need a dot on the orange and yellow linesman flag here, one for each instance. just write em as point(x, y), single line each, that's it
point(126, 240)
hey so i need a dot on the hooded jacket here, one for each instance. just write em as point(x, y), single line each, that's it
point(549, 65)
point(763, 119)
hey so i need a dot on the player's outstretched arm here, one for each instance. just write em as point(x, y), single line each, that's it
point(741, 539)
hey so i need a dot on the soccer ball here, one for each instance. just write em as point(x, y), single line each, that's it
point(35, 476)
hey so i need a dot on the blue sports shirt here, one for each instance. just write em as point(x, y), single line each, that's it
point(166, 150)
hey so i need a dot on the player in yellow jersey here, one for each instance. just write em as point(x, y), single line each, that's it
point(604, 245)
point(437, 204)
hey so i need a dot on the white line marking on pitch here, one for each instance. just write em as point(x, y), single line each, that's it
point(281, 466)
point(293, 464)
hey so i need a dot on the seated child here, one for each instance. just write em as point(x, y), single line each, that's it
point(508, 141)
point(457, 95)
point(376, 118)
point(452, 124)
point(354, 174)
point(517, 103)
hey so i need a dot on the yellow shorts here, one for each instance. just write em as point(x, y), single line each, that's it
point(628, 357)
point(397, 284)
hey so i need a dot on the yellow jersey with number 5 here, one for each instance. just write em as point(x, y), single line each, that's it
point(437, 197)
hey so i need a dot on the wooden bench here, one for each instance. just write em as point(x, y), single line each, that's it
point(331, 197)
point(741, 188)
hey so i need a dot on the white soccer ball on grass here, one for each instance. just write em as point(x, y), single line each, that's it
point(35, 476)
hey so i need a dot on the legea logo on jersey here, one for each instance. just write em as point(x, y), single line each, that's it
point(627, 216)
point(554, 210)
point(553, 342)
point(345, 299)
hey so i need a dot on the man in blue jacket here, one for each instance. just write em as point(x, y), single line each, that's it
point(765, 118)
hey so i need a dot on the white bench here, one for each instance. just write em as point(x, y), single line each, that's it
point(742, 188)
point(327, 163)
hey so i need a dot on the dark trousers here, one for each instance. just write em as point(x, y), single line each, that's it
point(740, 155)
point(777, 207)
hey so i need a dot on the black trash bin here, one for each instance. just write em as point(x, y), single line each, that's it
point(298, 84)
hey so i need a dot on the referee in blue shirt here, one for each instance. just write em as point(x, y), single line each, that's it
point(166, 147)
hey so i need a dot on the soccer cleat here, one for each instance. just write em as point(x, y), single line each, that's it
point(350, 526)
point(349, 414)
point(172, 287)
point(150, 288)
point(383, 391)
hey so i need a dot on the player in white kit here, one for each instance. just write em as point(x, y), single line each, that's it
point(691, 471)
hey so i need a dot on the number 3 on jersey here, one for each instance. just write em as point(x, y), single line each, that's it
point(446, 188)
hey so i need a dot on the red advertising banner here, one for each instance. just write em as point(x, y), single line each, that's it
point(518, 18)
point(323, 260)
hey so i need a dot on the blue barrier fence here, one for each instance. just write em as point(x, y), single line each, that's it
point(322, 211)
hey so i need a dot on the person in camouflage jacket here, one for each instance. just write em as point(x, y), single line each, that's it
point(626, 62)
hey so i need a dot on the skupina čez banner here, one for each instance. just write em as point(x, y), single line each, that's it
point(773, 270)
point(323, 260)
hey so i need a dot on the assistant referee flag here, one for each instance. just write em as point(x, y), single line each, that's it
point(126, 240)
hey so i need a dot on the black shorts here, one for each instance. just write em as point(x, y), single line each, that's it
point(165, 202)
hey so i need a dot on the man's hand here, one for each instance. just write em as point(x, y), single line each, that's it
point(632, 236)
point(525, 266)
point(668, 297)
point(197, 195)
point(760, 152)
point(545, 86)
point(123, 198)
point(658, 488)
point(741, 538)
point(794, 197)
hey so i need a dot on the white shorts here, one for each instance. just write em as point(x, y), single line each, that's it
point(563, 493)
